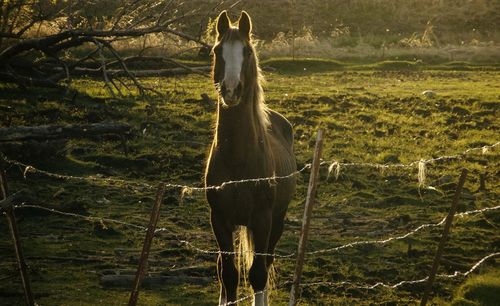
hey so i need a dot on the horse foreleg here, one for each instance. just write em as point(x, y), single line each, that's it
point(222, 292)
point(226, 271)
point(261, 229)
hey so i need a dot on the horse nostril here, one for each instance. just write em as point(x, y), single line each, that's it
point(238, 89)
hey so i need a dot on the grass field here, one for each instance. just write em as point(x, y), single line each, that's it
point(374, 113)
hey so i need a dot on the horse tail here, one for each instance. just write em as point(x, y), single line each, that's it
point(245, 252)
point(245, 259)
point(271, 282)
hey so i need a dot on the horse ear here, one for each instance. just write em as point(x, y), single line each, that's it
point(245, 24)
point(223, 24)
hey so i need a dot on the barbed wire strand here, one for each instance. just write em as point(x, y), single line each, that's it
point(335, 166)
point(184, 188)
point(352, 244)
point(412, 232)
point(290, 255)
point(381, 284)
point(243, 298)
point(136, 226)
point(87, 218)
point(403, 282)
point(199, 250)
point(91, 178)
point(270, 179)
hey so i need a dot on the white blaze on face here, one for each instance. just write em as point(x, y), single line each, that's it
point(232, 53)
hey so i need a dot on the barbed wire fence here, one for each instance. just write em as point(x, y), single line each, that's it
point(334, 169)
point(291, 255)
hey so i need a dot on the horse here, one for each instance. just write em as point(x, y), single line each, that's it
point(250, 141)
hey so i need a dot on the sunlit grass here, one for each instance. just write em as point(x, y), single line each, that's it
point(479, 290)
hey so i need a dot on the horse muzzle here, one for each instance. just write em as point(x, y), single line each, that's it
point(231, 101)
point(231, 96)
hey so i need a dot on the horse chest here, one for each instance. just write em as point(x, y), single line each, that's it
point(240, 202)
point(240, 160)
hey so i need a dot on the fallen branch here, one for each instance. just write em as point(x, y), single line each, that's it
point(127, 280)
point(44, 132)
point(203, 70)
point(28, 81)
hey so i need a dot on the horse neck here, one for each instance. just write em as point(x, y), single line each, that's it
point(242, 128)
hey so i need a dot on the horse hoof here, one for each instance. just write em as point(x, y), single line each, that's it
point(260, 299)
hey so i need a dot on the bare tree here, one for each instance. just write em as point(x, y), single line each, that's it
point(47, 42)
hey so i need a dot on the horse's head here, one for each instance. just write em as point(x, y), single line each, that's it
point(234, 62)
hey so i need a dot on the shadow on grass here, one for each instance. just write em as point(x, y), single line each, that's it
point(306, 66)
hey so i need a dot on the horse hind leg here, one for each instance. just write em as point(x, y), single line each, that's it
point(226, 270)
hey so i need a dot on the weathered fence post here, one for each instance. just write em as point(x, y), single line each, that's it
point(143, 261)
point(14, 230)
point(311, 194)
point(444, 237)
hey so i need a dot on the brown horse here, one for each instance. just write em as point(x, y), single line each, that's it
point(251, 141)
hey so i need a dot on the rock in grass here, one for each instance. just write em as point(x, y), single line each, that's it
point(445, 179)
point(429, 94)
point(326, 100)
point(398, 200)
point(78, 206)
point(460, 111)
point(366, 118)
point(386, 158)
point(103, 230)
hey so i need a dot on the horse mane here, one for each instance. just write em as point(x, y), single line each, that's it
point(261, 108)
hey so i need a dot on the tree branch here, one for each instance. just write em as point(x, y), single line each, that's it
point(43, 61)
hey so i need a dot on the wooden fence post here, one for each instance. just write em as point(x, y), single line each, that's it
point(143, 261)
point(311, 194)
point(14, 230)
point(444, 237)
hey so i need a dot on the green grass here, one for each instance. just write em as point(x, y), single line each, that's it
point(301, 66)
point(369, 115)
point(479, 290)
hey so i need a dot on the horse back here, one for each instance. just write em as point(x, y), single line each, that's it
point(281, 128)
point(281, 139)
